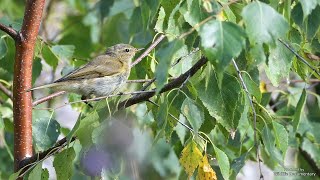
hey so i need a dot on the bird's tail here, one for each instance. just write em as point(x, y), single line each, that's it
point(41, 87)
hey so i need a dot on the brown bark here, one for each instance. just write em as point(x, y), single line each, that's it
point(22, 104)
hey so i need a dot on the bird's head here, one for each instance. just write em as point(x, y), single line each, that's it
point(124, 52)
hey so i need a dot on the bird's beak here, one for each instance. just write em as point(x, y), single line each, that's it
point(139, 49)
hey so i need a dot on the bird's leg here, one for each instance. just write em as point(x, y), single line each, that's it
point(84, 98)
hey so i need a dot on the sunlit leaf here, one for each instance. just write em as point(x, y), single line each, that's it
point(3, 48)
point(193, 114)
point(190, 157)
point(223, 162)
point(159, 24)
point(279, 64)
point(263, 23)
point(205, 172)
point(308, 6)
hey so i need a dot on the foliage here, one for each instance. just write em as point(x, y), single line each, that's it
point(147, 139)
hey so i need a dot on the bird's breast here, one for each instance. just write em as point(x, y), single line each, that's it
point(104, 86)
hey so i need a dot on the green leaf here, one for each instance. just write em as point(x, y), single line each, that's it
point(45, 174)
point(180, 129)
point(49, 56)
point(3, 48)
point(63, 163)
point(192, 12)
point(221, 41)
point(162, 115)
point(223, 162)
point(173, 30)
point(279, 64)
point(45, 132)
point(263, 23)
point(36, 69)
point(159, 24)
point(253, 88)
point(312, 149)
point(63, 51)
point(308, 6)
point(281, 137)
point(225, 103)
point(166, 55)
point(238, 163)
point(192, 113)
point(86, 127)
point(36, 172)
point(168, 7)
point(122, 6)
point(298, 110)
point(269, 142)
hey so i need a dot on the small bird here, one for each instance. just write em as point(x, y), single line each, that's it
point(102, 76)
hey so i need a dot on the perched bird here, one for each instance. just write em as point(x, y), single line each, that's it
point(102, 76)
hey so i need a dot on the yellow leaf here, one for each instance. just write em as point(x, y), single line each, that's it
point(263, 87)
point(205, 172)
point(190, 157)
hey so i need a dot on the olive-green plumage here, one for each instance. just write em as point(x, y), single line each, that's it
point(102, 76)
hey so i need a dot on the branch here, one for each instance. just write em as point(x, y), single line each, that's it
point(44, 99)
point(171, 85)
point(147, 51)
point(6, 91)
point(244, 86)
point(22, 104)
point(10, 31)
point(299, 57)
point(29, 163)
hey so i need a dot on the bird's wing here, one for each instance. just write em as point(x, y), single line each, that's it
point(99, 67)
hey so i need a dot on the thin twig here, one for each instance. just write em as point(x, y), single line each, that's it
point(195, 27)
point(139, 81)
point(92, 99)
point(5, 91)
point(254, 115)
point(10, 31)
point(147, 51)
point(51, 96)
point(299, 57)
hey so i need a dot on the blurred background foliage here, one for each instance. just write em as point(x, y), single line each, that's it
point(144, 141)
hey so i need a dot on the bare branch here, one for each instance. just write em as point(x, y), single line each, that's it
point(51, 96)
point(244, 86)
point(299, 57)
point(144, 96)
point(6, 91)
point(10, 31)
point(147, 51)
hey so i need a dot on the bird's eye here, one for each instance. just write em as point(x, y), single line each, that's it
point(127, 50)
